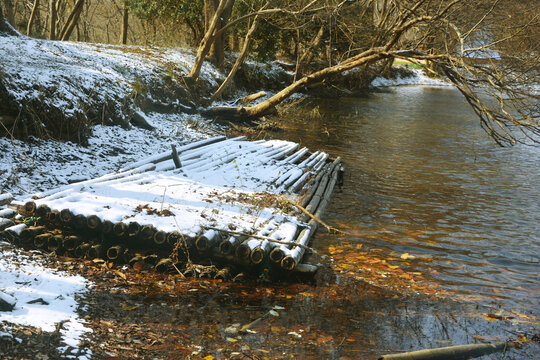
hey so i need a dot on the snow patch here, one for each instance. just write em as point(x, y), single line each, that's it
point(44, 297)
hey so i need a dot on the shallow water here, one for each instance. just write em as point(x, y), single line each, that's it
point(423, 178)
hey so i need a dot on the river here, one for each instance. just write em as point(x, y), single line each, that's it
point(423, 178)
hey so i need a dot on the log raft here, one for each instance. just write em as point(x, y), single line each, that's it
point(214, 201)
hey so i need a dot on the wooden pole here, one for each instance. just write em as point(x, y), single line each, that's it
point(107, 227)
point(82, 250)
point(71, 242)
point(53, 217)
point(229, 245)
point(160, 237)
point(42, 211)
point(120, 229)
point(175, 158)
point(207, 240)
point(41, 241)
point(5, 198)
point(79, 222)
point(96, 251)
point(66, 216)
point(133, 229)
point(147, 233)
point(125, 23)
point(173, 238)
point(115, 252)
point(5, 223)
point(12, 233)
point(28, 209)
point(32, 17)
point(28, 234)
point(450, 352)
point(7, 213)
point(290, 261)
point(55, 243)
point(93, 223)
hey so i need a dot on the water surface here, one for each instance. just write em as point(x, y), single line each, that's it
point(423, 178)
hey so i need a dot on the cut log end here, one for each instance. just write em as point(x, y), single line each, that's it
point(42, 211)
point(93, 223)
point(243, 251)
point(160, 237)
point(66, 216)
point(147, 232)
point(114, 252)
point(133, 229)
point(226, 248)
point(277, 255)
point(120, 229)
point(288, 263)
point(257, 255)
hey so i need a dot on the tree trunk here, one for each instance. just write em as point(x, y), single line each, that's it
point(5, 26)
point(125, 24)
point(32, 17)
point(52, 19)
point(207, 41)
point(269, 106)
point(72, 21)
point(308, 55)
point(218, 47)
point(239, 60)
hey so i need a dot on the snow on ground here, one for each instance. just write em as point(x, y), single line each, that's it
point(44, 298)
point(61, 74)
point(418, 78)
point(30, 167)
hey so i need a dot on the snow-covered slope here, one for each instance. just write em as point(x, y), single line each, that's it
point(59, 88)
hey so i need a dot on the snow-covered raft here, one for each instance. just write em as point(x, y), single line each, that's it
point(213, 201)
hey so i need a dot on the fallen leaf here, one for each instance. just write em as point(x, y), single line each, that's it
point(407, 256)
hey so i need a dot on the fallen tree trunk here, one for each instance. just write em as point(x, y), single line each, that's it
point(450, 352)
point(269, 106)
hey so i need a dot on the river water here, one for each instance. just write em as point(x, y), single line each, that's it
point(423, 178)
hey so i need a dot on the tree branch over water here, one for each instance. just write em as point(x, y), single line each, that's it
point(486, 49)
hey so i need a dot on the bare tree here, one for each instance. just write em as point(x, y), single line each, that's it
point(125, 23)
point(53, 13)
point(35, 9)
point(468, 43)
point(72, 20)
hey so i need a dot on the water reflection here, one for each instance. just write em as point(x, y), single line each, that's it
point(423, 178)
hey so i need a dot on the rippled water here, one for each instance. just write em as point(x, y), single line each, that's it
point(423, 178)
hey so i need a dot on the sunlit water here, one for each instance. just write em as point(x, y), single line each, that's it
point(423, 178)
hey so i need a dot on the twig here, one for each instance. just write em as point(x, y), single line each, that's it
point(265, 238)
point(328, 227)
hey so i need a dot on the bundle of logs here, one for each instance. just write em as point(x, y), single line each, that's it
point(277, 246)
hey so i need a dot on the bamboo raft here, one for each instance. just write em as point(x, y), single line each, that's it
point(215, 201)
